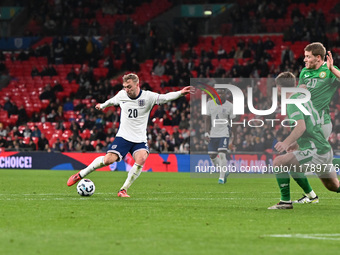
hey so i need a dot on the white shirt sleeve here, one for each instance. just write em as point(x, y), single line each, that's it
point(164, 98)
point(112, 101)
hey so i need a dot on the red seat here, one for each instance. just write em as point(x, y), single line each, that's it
point(48, 134)
point(51, 141)
point(108, 124)
point(66, 135)
point(47, 125)
point(3, 114)
point(158, 122)
point(85, 134)
point(76, 102)
point(26, 140)
point(66, 125)
point(13, 119)
point(45, 103)
point(169, 129)
point(70, 115)
point(94, 144)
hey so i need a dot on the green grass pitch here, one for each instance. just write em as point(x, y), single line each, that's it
point(168, 213)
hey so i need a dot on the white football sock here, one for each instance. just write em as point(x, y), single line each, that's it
point(217, 163)
point(224, 168)
point(97, 163)
point(132, 176)
point(311, 194)
point(289, 201)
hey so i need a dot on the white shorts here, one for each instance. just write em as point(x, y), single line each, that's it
point(312, 162)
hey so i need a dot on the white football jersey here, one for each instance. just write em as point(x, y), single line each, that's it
point(223, 112)
point(135, 112)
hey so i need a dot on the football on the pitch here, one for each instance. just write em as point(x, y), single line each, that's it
point(86, 188)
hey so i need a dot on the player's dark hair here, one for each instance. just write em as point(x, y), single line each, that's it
point(286, 79)
point(316, 48)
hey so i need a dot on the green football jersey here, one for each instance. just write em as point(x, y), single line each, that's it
point(313, 136)
point(322, 84)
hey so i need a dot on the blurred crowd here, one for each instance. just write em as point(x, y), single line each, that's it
point(132, 44)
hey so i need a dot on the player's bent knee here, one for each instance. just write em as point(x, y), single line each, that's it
point(144, 157)
point(110, 158)
point(222, 155)
point(140, 157)
point(212, 156)
point(332, 187)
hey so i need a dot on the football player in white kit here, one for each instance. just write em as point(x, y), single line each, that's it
point(218, 132)
point(135, 105)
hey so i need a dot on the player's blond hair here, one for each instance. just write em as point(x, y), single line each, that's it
point(286, 79)
point(316, 48)
point(131, 76)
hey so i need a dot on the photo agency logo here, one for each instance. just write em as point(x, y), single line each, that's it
point(239, 104)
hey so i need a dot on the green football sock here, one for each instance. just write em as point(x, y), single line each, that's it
point(302, 181)
point(283, 180)
point(336, 162)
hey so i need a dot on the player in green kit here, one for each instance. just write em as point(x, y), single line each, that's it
point(322, 80)
point(306, 146)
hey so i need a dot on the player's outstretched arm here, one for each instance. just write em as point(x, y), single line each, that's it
point(330, 65)
point(293, 147)
point(187, 90)
point(98, 107)
point(107, 103)
point(163, 98)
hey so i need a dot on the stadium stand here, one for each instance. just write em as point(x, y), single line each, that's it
point(104, 38)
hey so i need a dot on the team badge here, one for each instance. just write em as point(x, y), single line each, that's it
point(18, 42)
point(113, 146)
point(141, 102)
point(322, 75)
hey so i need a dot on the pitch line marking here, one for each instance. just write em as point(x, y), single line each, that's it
point(325, 236)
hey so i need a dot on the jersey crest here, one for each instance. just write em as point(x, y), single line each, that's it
point(141, 102)
point(322, 75)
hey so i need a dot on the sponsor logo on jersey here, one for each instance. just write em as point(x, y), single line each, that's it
point(305, 153)
point(322, 75)
point(141, 102)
